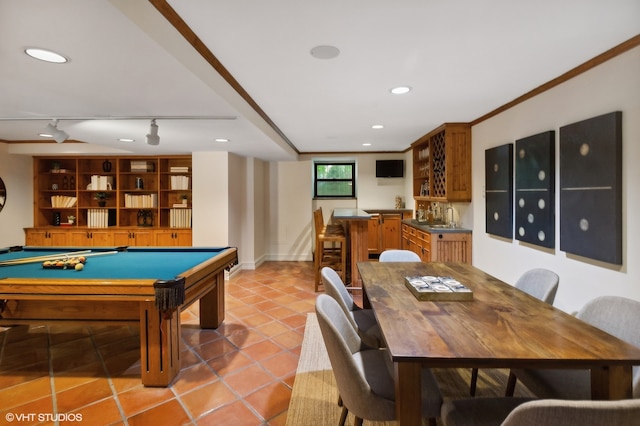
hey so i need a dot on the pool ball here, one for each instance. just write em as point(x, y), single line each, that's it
point(79, 267)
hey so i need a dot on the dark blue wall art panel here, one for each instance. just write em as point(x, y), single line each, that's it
point(591, 188)
point(498, 173)
point(535, 189)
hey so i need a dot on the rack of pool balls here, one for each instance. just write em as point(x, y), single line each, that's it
point(76, 263)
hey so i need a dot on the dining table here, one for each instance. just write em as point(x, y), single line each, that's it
point(500, 326)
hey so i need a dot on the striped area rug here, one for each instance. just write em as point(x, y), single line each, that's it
point(314, 400)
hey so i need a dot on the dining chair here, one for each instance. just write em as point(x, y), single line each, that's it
point(539, 283)
point(364, 376)
point(548, 412)
point(362, 320)
point(615, 315)
point(399, 256)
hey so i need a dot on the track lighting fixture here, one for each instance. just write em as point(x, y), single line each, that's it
point(152, 137)
point(53, 131)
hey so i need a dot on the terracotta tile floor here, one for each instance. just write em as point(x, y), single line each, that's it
point(240, 374)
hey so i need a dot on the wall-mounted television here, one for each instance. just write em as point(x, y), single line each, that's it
point(389, 168)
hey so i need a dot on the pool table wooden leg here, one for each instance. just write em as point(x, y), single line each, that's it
point(212, 305)
point(159, 346)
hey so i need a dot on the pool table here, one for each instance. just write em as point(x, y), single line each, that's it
point(120, 286)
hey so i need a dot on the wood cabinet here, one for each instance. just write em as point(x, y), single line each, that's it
point(178, 237)
point(417, 241)
point(384, 229)
point(46, 237)
point(442, 165)
point(144, 195)
point(134, 237)
point(437, 246)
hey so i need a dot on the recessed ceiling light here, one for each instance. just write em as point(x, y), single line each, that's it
point(377, 126)
point(325, 52)
point(46, 55)
point(126, 140)
point(46, 135)
point(400, 90)
point(366, 144)
point(222, 140)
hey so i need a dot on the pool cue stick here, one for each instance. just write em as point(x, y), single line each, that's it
point(101, 253)
point(43, 258)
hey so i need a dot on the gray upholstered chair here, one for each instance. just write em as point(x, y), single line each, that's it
point(362, 320)
point(547, 412)
point(399, 256)
point(539, 283)
point(364, 376)
point(616, 315)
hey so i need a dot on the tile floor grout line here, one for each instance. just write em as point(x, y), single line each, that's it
point(108, 377)
point(52, 384)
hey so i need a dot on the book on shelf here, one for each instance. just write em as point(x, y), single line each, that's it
point(180, 206)
point(180, 218)
point(179, 169)
point(101, 183)
point(179, 182)
point(101, 218)
point(63, 201)
point(438, 288)
point(142, 166)
point(140, 200)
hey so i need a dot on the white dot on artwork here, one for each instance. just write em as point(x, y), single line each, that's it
point(496, 216)
point(541, 236)
point(521, 231)
point(541, 204)
point(584, 225)
point(521, 202)
point(584, 149)
point(530, 218)
point(541, 175)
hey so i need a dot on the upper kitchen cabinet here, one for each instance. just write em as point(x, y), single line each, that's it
point(442, 164)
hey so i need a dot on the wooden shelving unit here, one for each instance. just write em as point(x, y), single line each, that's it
point(141, 193)
point(442, 165)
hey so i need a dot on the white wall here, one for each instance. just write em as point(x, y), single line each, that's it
point(210, 199)
point(612, 86)
point(17, 214)
point(289, 211)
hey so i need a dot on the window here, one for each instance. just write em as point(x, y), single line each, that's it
point(333, 180)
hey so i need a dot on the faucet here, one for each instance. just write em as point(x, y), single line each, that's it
point(452, 223)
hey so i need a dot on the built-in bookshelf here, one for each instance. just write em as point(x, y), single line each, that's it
point(112, 192)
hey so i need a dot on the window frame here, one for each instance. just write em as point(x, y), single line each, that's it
point(316, 180)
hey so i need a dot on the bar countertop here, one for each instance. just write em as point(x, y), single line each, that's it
point(351, 214)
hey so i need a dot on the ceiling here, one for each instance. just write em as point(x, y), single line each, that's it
point(269, 95)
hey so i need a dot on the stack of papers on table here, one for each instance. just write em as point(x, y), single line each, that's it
point(437, 288)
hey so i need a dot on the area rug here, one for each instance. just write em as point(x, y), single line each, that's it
point(314, 399)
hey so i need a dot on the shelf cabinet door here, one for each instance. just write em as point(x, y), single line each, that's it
point(171, 238)
point(46, 237)
point(451, 247)
point(129, 237)
point(373, 233)
point(91, 237)
point(390, 232)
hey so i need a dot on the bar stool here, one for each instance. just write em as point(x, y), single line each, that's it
point(330, 248)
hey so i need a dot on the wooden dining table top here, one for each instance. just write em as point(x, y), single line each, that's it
point(501, 327)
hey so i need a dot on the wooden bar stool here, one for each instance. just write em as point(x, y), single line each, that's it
point(330, 248)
